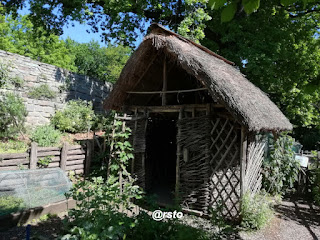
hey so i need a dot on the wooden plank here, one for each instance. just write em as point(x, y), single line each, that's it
point(14, 162)
point(75, 152)
point(54, 164)
point(77, 171)
point(50, 153)
point(75, 147)
point(243, 157)
point(75, 162)
point(33, 155)
point(76, 157)
point(74, 167)
point(64, 155)
point(13, 168)
point(13, 155)
point(48, 149)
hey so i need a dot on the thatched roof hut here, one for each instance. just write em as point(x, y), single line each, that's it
point(175, 91)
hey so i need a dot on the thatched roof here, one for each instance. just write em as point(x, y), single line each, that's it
point(247, 103)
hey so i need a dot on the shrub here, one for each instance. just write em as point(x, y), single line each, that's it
point(12, 115)
point(76, 117)
point(256, 211)
point(10, 204)
point(13, 146)
point(42, 91)
point(315, 185)
point(46, 136)
point(281, 169)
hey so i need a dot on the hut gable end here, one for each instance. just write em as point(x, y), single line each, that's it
point(247, 103)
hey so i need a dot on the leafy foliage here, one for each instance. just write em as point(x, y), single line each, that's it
point(44, 162)
point(315, 184)
point(42, 91)
point(280, 170)
point(12, 115)
point(277, 50)
point(76, 117)
point(46, 136)
point(10, 204)
point(13, 146)
point(256, 211)
point(103, 63)
point(20, 36)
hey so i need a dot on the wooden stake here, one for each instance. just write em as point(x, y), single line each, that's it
point(164, 86)
point(64, 155)
point(33, 155)
point(88, 157)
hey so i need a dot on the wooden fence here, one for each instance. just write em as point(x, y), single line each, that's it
point(75, 158)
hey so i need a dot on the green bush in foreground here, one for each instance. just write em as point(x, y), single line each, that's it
point(256, 211)
point(46, 136)
point(10, 204)
point(76, 117)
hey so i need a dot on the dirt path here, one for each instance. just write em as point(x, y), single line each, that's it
point(294, 220)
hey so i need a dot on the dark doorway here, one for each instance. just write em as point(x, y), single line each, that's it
point(161, 156)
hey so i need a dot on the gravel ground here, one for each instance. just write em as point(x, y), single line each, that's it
point(294, 220)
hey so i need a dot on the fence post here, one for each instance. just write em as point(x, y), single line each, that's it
point(33, 155)
point(64, 155)
point(88, 158)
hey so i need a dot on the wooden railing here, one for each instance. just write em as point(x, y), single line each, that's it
point(75, 158)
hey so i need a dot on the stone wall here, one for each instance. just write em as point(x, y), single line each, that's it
point(67, 86)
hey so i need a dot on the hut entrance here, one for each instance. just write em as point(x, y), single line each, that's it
point(161, 156)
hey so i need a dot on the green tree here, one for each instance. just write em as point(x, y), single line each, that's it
point(126, 19)
point(21, 37)
point(277, 52)
point(103, 63)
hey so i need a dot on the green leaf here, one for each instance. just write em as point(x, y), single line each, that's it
point(250, 5)
point(287, 2)
point(216, 4)
point(228, 12)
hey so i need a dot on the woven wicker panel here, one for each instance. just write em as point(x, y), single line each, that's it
point(225, 166)
point(194, 162)
point(138, 141)
point(253, 176)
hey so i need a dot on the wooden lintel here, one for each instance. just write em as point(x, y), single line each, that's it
point(174, 108)
point(166, 92)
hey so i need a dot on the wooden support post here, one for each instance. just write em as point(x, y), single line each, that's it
point(243, 158)
point(134, 137)
point(64, 155)
point(164, 86)
point(178, 160)
point(33, 155)
point(88, 157)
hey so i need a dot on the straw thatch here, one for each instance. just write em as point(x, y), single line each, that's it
point(247, 103)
